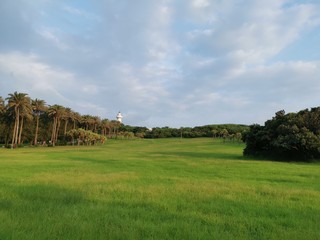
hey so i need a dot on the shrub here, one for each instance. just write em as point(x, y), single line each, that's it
point(294, 136)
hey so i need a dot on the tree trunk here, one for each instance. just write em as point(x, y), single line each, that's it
point(65, 127)
point(53, 137)
point(37, 129)
point(15, 142)
point(57, 129)
point(109, 132)
point(14, 131)
point(20, 133)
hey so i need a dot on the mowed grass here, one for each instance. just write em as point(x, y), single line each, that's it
point(155, 189)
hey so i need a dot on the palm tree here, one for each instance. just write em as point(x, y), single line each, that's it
point(25, 114)
point(2, 106)
point(66, 116)
point(105, 125)
point(2, 115)
point(56, 111)
point(96, 121)
point(75, 117)
point(21, 104)
point(38, 107)
point(115, 126)
point(89, 122)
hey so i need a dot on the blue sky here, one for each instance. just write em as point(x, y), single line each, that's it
point(164, 62)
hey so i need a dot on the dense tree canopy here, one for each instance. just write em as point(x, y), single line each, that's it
point(292, 136)
point(227, 131)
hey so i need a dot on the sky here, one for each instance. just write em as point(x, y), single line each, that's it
point(177, 63)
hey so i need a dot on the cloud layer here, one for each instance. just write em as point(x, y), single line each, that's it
point(175, 63)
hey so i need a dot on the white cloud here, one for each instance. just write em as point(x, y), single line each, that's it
point(90, 89)
point(82, 13)
point(26, 73)
point(257, 29)
point(52, 37)
point(200, 3)
point(291, 85)
point(163, 62)
point(137, 86)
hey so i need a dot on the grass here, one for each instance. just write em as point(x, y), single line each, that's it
point(155, 189)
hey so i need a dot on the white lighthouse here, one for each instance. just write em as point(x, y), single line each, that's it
point(119, 117)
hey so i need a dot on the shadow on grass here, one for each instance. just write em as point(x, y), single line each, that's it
point(202, 155)
point(48, 194)
point(93, 160)
point(281, 160)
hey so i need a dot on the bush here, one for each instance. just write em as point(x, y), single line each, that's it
point(293, 136)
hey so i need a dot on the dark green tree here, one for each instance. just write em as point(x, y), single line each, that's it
point(38, 108)
point(293, 136)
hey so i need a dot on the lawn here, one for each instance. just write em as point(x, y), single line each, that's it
point(155, 189)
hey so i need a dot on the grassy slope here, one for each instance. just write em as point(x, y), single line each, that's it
point(155, 189)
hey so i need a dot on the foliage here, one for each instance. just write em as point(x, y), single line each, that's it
point(19, 105)
point(227, 131)
point(38, 108)
point(85, 137)
point(292, 136)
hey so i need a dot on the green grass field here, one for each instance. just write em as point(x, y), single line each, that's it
point(155, 189)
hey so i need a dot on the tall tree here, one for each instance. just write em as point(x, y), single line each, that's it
point(38, 107)
point(56, 111)
point(2, 106)
point(75, 117)
point(2, 116)
point(96, 121)
point(26, 114)
point(105, 127)
point(90, 122)
point(115, 127)
point(21, 104)
point(67, 115)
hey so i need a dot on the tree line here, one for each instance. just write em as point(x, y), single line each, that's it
point(32, 121)
point(292, 136)
point(225, 131)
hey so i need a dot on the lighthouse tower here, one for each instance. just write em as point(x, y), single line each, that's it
point(119, 117)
